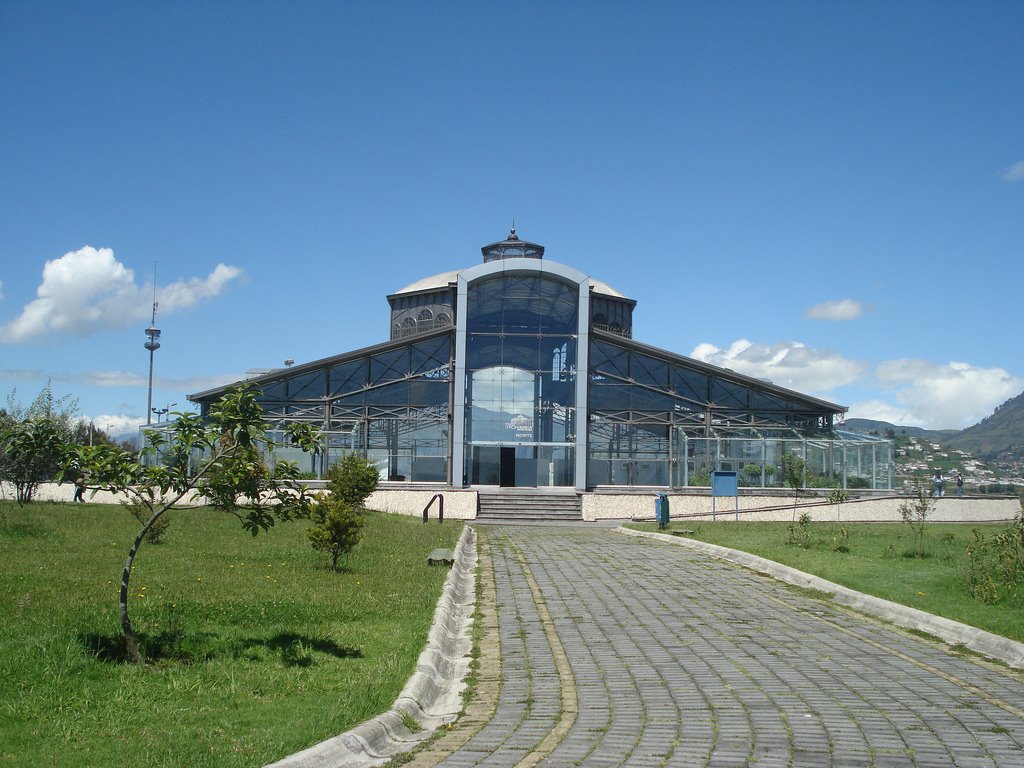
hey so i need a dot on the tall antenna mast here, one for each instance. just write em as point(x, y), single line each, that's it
point(152, 344)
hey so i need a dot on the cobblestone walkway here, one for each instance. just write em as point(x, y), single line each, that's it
point(618, 651)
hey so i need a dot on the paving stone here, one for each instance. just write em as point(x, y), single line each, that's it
point(678, 659)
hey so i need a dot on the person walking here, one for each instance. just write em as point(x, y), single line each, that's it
point(938, 482)
point(959, 484)
point(80, 489)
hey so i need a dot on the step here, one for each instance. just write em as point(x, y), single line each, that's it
point(528, 506)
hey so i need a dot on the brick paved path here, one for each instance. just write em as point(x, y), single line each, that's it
point(618, 651)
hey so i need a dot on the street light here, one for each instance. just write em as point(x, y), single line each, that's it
point(161, 411)
point(152, 344)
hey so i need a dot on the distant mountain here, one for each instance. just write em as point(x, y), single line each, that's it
point(999, 436)
point(869, 426)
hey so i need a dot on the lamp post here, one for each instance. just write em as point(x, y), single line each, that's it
point(162, 411)
point(152, 344)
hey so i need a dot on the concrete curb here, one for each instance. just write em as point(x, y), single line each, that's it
point(432, 696)
point(953, 632)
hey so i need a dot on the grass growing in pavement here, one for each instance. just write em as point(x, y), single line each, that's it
point(875, 563)
point(260, 649)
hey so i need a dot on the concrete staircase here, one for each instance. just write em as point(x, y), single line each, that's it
point(528, 505)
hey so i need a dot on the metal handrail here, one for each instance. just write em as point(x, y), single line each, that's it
point(439, 498)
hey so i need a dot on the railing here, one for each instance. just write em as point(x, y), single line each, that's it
point(439, 498)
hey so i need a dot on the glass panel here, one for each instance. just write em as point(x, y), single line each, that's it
point(424, 393)
point(522, 304)
point(728, 394)
point(649, 371)
point(389, 366)
point(523, 352)
point(482, 350)
point(308, 385)
point(610, 359)
point(430, 355)
point(347, 377)
point(690, 384)
point(609, 396)
point(273, 390)
point(391, 394)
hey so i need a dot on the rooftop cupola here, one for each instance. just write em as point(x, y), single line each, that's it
point(512, 248)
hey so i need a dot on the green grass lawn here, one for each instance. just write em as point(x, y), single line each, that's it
point(260, 649)
point(875, 564)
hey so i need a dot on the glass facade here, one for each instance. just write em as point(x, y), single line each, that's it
point(520, 372)
point(520, 382)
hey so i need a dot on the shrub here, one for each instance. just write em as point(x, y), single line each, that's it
point(994, 568)
point(337, 527)
point(352, 479)
point(799, 535)
point(338, 518)
point(915, 513)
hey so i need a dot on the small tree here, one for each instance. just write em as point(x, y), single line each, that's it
point(353, 479)
point(794, 470)
point(31, 452)
point(915, 513)
point(218, 459)
point(337, 528)
point(34, 439)
point(338, 518)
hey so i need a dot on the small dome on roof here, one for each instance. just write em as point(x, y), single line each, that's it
point(512, 248)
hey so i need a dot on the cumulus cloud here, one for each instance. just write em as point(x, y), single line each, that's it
point(789, 364)
point(118, 425)
point(1015, 172)
point(843, 309)
point(88, 290)
point(950, 395)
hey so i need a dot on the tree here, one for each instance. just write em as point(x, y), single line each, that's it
point(33, 440)
point(353, 479)
point(337, 528)
point(338, 518)
point(794, 470)
point(31, 452)
point(218, 458)
point(915, 513)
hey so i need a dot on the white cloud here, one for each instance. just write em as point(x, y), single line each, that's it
point(950, 395)
point(118, 425)
point(1015, 172)
point(129, 379)
point(88, 290)
point(880, 410)
point(843, 309)
point(789, 364)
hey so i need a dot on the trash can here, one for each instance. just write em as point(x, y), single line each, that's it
point(661, 513)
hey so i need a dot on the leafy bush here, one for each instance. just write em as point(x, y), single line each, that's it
point(338, 518)
point(799, 535)
point(352, 479)
point(841, 541)
point(994, 569)
point(337, 527)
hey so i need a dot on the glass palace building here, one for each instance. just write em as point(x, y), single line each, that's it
point(522, 372)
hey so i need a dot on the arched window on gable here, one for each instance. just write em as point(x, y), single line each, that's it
point(408, 327)
point(425, 316)
point(442, 320)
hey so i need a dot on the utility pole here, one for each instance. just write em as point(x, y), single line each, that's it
point(152, 344)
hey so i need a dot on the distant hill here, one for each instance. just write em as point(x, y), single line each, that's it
point(999, 436)
point(869, 426)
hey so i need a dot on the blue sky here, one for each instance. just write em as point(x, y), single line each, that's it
point(827, 195)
